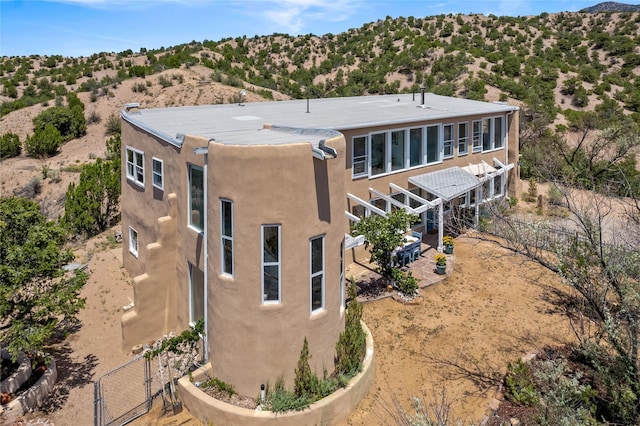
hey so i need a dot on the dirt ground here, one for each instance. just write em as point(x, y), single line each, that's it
point(493, 308)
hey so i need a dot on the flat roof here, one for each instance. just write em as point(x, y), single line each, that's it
point(244, 123)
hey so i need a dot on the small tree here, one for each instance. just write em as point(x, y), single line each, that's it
point(351, 345)
point(70, 122)
point(382, 235)
point(92, 205)
point(305, 381)
point(44, 142)
point(36, 294)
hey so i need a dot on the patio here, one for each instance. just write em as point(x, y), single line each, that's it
point(371, 286)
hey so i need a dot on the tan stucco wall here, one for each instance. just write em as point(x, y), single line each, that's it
point(251, 343)
point(328, 411)
point(154, 313)
point(165, 243)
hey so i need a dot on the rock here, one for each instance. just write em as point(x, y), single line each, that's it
point(514, 422)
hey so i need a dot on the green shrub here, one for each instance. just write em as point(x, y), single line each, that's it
point(164, 81)
point(112, 125)
point(93, 117)
point(219, 385)
point(519, 384)
point(280, 400)
point(351, 345)
point(305, 381)
point(91, 206)
point(10, 145)
point(44, 142)
point(406, 282)
point(555, 196)
point(69, 122)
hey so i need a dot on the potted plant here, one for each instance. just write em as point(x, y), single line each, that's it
point(441, 264)
point(447, 242)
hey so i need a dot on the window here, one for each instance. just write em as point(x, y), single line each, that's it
point(400, 198)
point(135, 166)
point(342, 274)
point(486, 134)
point(476, 136)
point(270, 263)
point(196, 294)
point(317, 274)
point(157, 172)
point(463, 138)
point(196, 197)
point(359, 167)
point(447, 131)
point(378, 153)
point(415, 147)
point(133, 241)
point(397, 150)
point(359, 211)
point(486, 190)
point(433, 148)
point(498, 133)
point(226, 236)
point(497, 186)
point(380, 203)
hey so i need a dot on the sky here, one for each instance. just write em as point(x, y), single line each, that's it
point(84, 27)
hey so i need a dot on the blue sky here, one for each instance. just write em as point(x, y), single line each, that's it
point(84, 27)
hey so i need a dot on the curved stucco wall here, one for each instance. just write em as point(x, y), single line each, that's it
point(251, 343)
point(330, 410)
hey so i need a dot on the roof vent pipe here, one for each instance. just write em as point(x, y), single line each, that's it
point(422, 95)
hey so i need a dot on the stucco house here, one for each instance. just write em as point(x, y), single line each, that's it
point(239, 214)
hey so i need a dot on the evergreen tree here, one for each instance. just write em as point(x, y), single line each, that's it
point(36, 294)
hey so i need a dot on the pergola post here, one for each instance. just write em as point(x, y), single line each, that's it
point(440, 225)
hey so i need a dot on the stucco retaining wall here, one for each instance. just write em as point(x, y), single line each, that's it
point(33, 396)
point(330, 410)
point(13, 382)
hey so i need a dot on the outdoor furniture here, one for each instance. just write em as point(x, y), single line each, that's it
point(407, 252)
point(416, 250)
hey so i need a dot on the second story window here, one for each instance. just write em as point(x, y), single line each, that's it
point(447, 131)
point(196, 197)
point(226, 236)
point(359, 166)
point(378, 153)
point(463, 138)
point(157, 170)
point(476, 129)
point(135, 166)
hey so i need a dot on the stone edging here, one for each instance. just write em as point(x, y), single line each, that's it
point(330, 410)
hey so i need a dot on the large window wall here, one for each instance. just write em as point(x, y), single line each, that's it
point(380, 153)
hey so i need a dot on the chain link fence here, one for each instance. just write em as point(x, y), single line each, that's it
point(123, 394)
point(127, 392)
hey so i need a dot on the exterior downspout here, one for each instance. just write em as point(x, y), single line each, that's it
point(205, 339)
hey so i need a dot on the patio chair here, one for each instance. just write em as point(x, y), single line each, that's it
point(404, 256)
point(415, 251)
point(417, 235)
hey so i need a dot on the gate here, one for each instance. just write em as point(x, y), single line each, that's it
point(123, 394)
